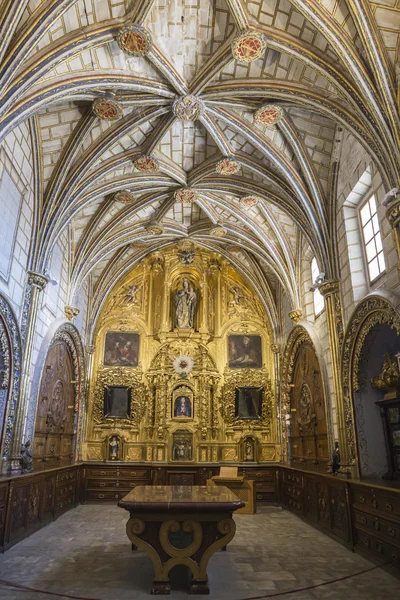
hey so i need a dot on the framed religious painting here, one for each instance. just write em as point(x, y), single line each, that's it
point(244, 352)
point(117, 402)
point(182, 403)
point(248, 403)
point(121, 349)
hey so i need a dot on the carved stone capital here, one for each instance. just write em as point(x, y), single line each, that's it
point(37, 280)
point(327, 288)
point(393, 212)
point(71, 312)
point(90, 349)
point(275, 348)
point(296, 315)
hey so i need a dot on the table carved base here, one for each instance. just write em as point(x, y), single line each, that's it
point(189, 539)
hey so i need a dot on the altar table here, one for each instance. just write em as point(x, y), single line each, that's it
point(180, 525)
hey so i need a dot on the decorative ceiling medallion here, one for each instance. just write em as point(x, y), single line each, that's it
point(186, 195)
point(218, 231)
point(124, 196)
point(249, 201)
point(249, 45)
point(107, 108)
point(227, 166)
point(147, 164)
point(155, 229)
point(188, 108)
point(268, 115)
point(134, 40)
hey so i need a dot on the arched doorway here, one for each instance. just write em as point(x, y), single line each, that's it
point(57, 403)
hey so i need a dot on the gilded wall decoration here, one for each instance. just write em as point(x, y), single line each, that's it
point(371, 311)
point(185, 308)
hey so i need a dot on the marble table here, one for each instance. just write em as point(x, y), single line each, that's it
point(180, 525)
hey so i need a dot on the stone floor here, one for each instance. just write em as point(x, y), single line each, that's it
point(86, 553)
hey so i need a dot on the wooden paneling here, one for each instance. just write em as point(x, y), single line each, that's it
point(53, 441)
point(308, 428)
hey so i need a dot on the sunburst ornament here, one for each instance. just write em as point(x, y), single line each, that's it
point(186, 195)
point(183, 365)
point(147, 164)
point(155, 229)
point(249, 201)
point(107, 108)
point(227, 166)
point(268, 115)
point(134, 40)
point(124, 196)
point(218, 231)
point(249, 45)
point(188, 108)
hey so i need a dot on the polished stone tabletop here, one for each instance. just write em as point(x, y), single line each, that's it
point(180, 497)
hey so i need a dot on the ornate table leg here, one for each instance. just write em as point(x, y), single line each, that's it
point(190, 541)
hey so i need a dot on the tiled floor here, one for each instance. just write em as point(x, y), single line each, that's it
point(86, 553)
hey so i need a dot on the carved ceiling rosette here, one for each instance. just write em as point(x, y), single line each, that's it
point(124, 196)
point(107, 108)
point(249, 201)
point(227, 166)
point(147, 164)
point(249, 45)
point(188, 108)
point(234, 379)
point(186, 195)
point(134, 40)
point(268, 115)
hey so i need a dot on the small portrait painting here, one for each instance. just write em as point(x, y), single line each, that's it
point(117, 402)
point(244, 352)
point(248, 402)
point(182, 446)
point(121, 349)
point(183, 407)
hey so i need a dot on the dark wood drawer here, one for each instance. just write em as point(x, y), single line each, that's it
point(259, 474)
point(293, 477)
point(65, 490)
point(376, 501)
point(265, 496)
point(378, 527)
point(292, 503)
point(294, 491)
point(113, 472)
point(65, 503)
point(379, 548)
point(104, 495)
point(264, 486)
point(66, 477)
point(111, 484)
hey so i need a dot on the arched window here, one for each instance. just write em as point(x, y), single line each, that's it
point(372, 239)
point(318, 297)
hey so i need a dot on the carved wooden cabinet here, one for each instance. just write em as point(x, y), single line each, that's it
point(266, 482)
point(113, 482)
point(376, 521)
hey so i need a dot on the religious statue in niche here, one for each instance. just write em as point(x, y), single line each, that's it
point(185, 305)
point(121, 349)
point(249, 449)
point(27, 457)
point(182, 446)
point(244, 352)
point(114, 447)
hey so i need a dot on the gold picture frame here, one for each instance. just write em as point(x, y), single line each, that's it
point(182, 405)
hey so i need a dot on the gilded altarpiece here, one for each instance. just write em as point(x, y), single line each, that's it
point(197, 332)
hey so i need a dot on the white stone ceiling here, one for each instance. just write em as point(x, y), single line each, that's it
point(328, 64)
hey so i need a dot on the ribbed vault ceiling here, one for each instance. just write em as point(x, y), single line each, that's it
point(329, 65)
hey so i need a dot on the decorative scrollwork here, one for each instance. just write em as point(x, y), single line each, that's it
point(247, 378)
point(121, 376)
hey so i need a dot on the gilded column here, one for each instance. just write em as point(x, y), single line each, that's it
point(334, 314)
point(276, 351)
point(36, 282)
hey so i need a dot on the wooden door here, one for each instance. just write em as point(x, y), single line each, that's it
point(54, 430)
point(308, 438)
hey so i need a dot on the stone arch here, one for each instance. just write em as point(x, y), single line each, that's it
point(303, 336)
point(379, 308)
point(10, 372)
point(62, 332)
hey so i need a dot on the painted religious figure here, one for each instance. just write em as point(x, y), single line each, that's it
point(185, 305)
point(182, 446)
point(121, 349)
point(244, 352)
point(248, 402)
point(182, 407)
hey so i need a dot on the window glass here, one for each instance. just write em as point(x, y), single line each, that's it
point(372, 238)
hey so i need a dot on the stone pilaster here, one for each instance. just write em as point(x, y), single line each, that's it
point(331, 290)
point(392, 203)
point(277, 355)
point(35, 284)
